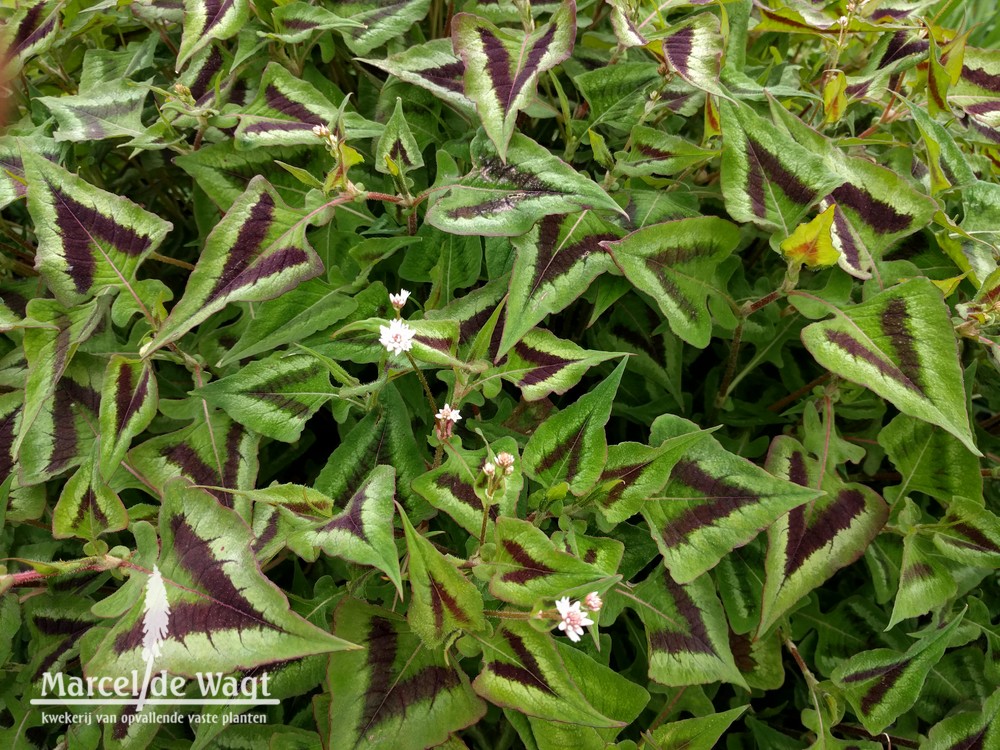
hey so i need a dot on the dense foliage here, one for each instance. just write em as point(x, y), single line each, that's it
point(680, 438)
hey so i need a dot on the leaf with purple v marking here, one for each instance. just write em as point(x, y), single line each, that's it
point(433, 66)
point(224, 612)
point(502, 66)
point(256, 252)
point(87, 506)
point(813, 541)
point(88, 239)
point(882, 684)
point(444, 601)
point(29, 31)
point(458, 487)
point(527, 566)
point(714, 502)
point(571, 446)
point(676, 263)
point(128, 405)
point(532, 673)
point(396, 692)
point(505, 199)
point(694, 50)
point(540, 364)
point(216, 453)
point(361, 533)
point(900, 344)
point(556, 262)
point(379, 21)
point(686, 631)
point(205, 20)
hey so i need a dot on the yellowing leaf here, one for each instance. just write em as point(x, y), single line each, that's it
point(835, 97)
point(811, 243)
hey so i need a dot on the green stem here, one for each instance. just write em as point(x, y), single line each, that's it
point(423, 382)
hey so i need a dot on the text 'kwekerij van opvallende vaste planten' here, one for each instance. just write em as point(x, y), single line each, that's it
point(499, 374)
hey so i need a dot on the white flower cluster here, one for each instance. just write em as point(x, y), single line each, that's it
point(397, 337)
point(573, 619)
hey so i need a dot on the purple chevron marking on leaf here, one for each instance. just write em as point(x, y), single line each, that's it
point(449, 76)
point(546, 365)
point(677, 49)
point(857, 350)
point(722, 499)
point(894, 322)
point(696, 640)
point(79, 226)
point(528, 672)
point(771, 166)
point(89, 504)
point(889, 676)
point(879, 215)
point(555, 260)
point(982, 78)
point(808, 536)
point(530, 568)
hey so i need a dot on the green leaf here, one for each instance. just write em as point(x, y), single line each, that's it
point(900, 344)
point(128, 404)
point(700, 733)
point(61, 395)
point(969, 534)
point(433, 66)
point(274, 396)
point(635, 472)
point(676, 264)
point(541, 364)
point(396, 692)
point(926, 580)
point(571, 446)
point(384, 436)
point(224, 613)
point(502, 66)
point(930, 461)
point(686, 631)
point(312, 306)
point(555, 263)
point(528, 566)
point(968, 729)
point(505, 198)
point(213, 452)
point(112, 111)
point(298, 21)
point(380, 21)
point(813, 541)
point(31, 29)
point(654, 152)
point(362, 532)
point(458, 487)
point(767, 178)
point(528, 671)
point(444, 601)
point(87, 507)
point(89, 240)
point(882, 684)
point(205, 21)
point(714, 502)
point(285, 111)
point(256, 252)
point(693, 49)
point(397, 144)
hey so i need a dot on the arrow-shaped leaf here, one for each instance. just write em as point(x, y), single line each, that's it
point(274, 396)
point(900, 344)
point(444, 601)
point(813, 541)
point(571, 446)
point(88, 239)
point(256, 252)
point(502, 66)
point(675, 263)
point(714, 502)
point(396, 692)
point(128, 405)
point(505, 199)
point(224, 612)
point(541, 364)
point(882, 684)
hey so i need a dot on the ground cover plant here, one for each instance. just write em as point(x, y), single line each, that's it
point(502, 374)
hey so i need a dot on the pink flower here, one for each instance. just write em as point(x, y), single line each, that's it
point(446, 419)
point(505, 461)
point(398, 300)
point(573, 620)
point(489, 469)
point(593, 602)
point(446, 413)
point(397, 337)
